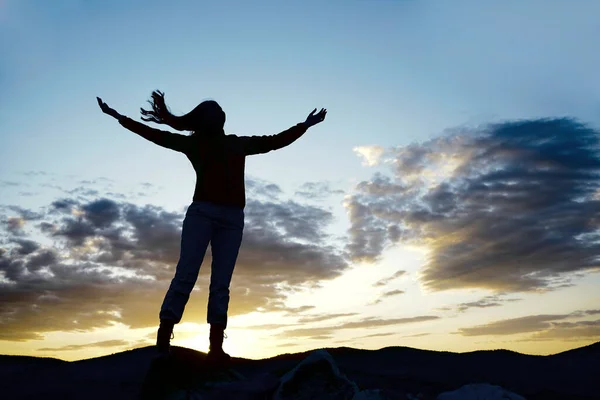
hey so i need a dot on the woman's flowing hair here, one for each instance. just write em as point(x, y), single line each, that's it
point(191, 121)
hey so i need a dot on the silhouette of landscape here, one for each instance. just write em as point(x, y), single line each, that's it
point(389, 373)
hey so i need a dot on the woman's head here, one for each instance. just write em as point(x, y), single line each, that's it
point(207, 118)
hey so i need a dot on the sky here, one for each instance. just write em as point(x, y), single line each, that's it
point(449, 201)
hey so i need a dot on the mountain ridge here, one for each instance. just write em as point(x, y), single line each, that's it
point(396, 369)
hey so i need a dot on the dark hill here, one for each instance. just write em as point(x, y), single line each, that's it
point(571, 374)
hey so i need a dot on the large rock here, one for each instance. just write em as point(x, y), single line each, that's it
point(316, 377)
point(480, 391)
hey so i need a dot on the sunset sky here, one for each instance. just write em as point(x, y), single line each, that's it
point(450, 200)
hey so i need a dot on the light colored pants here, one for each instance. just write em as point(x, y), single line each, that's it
point(222, 226)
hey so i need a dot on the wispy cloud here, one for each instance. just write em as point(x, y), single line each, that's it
point(73, 347)
point(365, 323)
point(317, 190)
point(385, 281)
point(485, 302)
point(542, 327)
point(324, 317)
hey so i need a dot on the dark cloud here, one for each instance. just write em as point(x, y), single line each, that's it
point(365, 323)
point(64, 205)
point(569, 331)
point(320, 337)
point(385, 281)
point(25, 246)
point(392, 293)
point(542, 327)
point(42, 258)
point(112, 261)
point(485, 302)
point(317, 190)
point(292, 219)
point(71, 347)
point(513, 326)
point(76, 230)
point(509, 207)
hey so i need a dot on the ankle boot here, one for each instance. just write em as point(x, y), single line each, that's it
point(164, 336)
point(217, 334)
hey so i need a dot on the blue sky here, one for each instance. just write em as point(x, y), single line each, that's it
point(390, 73)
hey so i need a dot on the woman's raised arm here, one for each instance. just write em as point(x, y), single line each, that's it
point(162, 138)
point(264, 144)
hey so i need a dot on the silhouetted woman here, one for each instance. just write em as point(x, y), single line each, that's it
point(216, 214)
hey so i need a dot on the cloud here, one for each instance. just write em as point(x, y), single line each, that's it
point(15, 225)
point(365, 323)
point(513, 326)
point(385, 281)
point(300, 309)
point(24, 214)
point(392, 293)
point(416, 335)
point(569, 331)
point(72, 347)
point(485, 302)
point(508, 207)
point(10, 183)
point(268, 327)
point(543, 327)
point(371, 155)
point(256, 187)
point(35, 173)
point(324, 317)
point(320, 337)
point(317, 190)
point(377, 335)
point(91, 263)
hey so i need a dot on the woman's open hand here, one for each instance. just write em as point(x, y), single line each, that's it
point(107, 110)
point(314, 119)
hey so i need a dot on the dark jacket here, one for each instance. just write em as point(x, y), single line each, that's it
point(219, 160)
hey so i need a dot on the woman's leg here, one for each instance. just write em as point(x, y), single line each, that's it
point(195, 236)
point(226, 240)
